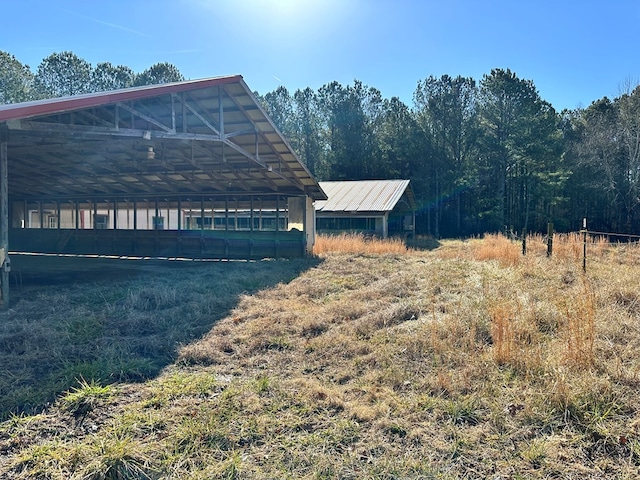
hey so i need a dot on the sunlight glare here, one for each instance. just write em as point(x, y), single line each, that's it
point(279, 20)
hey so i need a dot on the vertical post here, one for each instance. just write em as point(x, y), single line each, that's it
point(134, 242)
point(179, 214)
point(95, 226)
point(226, 226)
point(584, 245)
point(114, 237)
point(135, 214)
point(157, 214)
point(549, 239)
point(251, 214)
point(277, 241)
point(524, 241)
point(4, 216)
point(202, 214)
point(115, 213)
point(226, 214)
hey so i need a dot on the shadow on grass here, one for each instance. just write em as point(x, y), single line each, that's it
point(113, 320)
point(422, 242)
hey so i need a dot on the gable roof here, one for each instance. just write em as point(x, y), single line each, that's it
point(364, 196)
point(199, 137)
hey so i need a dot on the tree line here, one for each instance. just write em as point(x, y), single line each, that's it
point(482, 156)
point(64, 74)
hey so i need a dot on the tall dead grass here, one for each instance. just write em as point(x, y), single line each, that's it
point(462, 362)
point(579, 331)
point(498, 247)
point(357, 243)
point(503, 333)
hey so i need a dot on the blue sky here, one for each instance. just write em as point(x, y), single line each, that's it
point(575, 52)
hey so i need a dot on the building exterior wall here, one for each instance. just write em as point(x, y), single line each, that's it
point(209, 228)
point(309, 224)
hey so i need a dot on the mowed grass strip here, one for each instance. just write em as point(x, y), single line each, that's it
point(463, 362)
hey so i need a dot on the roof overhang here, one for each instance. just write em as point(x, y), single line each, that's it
point(193, 138)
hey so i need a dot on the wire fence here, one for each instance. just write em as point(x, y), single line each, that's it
point(585, 243)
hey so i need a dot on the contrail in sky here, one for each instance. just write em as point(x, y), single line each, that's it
point(108, 24)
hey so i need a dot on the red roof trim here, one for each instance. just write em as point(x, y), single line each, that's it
point(64, 104)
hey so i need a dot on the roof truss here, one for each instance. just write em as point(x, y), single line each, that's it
point(210, 140)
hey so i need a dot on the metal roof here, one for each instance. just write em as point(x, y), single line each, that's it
point(95, 99)
point(364, 196)
point(196, 137)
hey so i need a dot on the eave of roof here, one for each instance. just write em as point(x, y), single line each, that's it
point(66, 104)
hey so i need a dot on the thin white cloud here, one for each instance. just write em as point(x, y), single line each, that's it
point(109, 24)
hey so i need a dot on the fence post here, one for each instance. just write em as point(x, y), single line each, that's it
point(584, 245)
point(549, 239)
point(524, 242)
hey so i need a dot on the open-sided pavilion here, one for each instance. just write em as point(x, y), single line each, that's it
point(193, 169)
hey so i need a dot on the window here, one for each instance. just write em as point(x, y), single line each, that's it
point(244, 223)
point(53, 221)
point(199, 224)
point(363, 224)
point(100, 221)
point(158, 223)
point(220, 223)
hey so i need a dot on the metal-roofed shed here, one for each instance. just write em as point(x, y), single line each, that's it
point(376, 207)
point(194, 169)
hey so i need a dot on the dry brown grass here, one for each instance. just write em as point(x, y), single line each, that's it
point(498, 247)
point(503, 335)
point(357, 243)
point(462, 362)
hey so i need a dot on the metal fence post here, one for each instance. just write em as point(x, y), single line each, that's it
point(584, 245)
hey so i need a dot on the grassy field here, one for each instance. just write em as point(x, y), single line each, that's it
point(368, 361)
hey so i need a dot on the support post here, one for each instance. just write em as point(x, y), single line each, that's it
point(4, 216)
point(549, 239)
point(134, 243)
point(584, 245)
point(179, 214)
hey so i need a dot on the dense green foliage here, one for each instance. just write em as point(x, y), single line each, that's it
point(64, 73)
point(482, 156)
point(487, 155)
